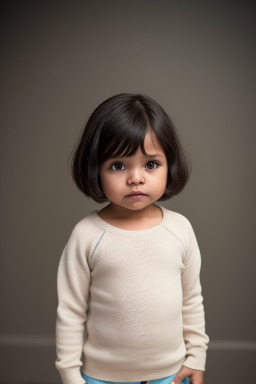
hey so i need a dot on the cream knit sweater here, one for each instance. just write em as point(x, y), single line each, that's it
point(130, 302)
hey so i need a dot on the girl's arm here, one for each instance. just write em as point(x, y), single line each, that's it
point(194, 334)
point(73, 281)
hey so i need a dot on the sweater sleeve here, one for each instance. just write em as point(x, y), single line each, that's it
point(193, 314)
point(73, 281)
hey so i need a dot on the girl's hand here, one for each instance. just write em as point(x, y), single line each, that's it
point(195, 376)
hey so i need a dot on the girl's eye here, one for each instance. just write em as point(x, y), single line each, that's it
point(117, 167)
point(152, 165)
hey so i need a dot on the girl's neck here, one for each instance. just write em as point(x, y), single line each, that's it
point(124, 218)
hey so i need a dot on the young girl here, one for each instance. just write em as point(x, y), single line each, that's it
point(130, 304)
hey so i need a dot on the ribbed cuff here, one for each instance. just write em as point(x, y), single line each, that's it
point(71, 376)
point(196, 359)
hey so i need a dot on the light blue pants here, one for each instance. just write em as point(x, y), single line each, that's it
point(164, 380)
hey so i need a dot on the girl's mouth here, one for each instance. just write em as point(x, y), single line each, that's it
point(136, 195)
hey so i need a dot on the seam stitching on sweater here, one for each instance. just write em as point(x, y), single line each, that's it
point(168, 230)
point(97, 245)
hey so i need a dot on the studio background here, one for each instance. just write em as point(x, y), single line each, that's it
point(60, 59)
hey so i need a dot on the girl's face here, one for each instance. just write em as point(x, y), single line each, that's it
point(137, 181)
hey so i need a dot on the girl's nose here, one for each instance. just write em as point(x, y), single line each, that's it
point(136, 177)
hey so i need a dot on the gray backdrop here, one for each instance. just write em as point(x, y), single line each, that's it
point(60, 59)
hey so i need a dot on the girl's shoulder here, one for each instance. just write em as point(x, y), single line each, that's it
point(86, 228)
point(175, 218)
point(178, 224)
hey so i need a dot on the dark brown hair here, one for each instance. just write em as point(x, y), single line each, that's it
point(116, 128)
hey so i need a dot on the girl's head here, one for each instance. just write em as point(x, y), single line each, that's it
point(117, 129)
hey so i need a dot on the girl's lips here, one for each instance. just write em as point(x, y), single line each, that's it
point(136, 195)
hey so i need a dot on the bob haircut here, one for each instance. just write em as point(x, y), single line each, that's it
point(117, 128)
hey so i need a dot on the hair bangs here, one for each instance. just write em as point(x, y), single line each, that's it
point(122, 140)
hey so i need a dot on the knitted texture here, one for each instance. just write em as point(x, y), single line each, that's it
point(130, 302)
